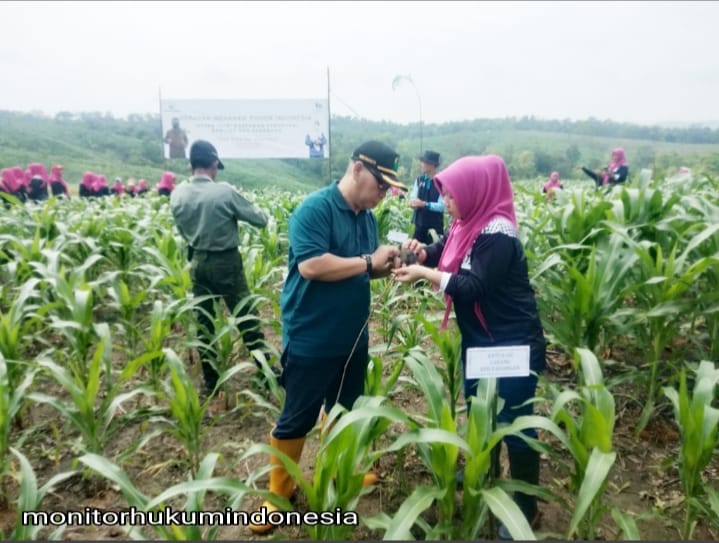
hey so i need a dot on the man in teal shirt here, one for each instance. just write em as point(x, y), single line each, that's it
point(334, 252)
point(206, 215)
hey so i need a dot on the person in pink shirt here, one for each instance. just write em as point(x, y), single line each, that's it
point(142, 187)
point(166, 184)
point(118, 189)
point(58, 186)
point(131, 188)
point(615, 173)
point(552, 184)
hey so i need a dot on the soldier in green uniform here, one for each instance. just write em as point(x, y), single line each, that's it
point(206, 214)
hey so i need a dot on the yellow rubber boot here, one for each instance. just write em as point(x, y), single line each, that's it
point(281, 482)
point(370, 477)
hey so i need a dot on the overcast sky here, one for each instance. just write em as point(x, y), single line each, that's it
point(644, 62)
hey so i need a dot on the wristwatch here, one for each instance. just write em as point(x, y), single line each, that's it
point(368, 260)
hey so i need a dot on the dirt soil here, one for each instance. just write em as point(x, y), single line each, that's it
point(643, 481)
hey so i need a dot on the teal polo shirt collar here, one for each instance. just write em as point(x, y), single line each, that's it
point(340, 201)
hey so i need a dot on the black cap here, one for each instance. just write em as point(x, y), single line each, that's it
point(430, 157)
point(381, 160)
point(204, 154)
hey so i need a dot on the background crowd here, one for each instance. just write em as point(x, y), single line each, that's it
point(34, 183)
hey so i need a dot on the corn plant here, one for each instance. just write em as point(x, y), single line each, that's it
point(344, 457)
point(172, 273)
point(589, 440)
point(96, 400)
point(698, 424)
point(187, 411)
point(30, 499)
point(449, 344)
point(128, 305)
point(195, 490)
point(581, 297)
point(12, 396)
point(661, 304)
point(17, 327)
point(439, 456)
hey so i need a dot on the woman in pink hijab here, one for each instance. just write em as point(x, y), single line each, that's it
point(100, 186)
point(12, 185)
point(481, 269)
point(37, 182)
point(615, 173)
point(166, 184)
point(19, 184)
point(57, 183)
point(87, 185)
point(552, 184)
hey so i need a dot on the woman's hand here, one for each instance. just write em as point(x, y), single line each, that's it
point(414, 246)
point(409, 274)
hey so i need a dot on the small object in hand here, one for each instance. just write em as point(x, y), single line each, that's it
point(407, 257)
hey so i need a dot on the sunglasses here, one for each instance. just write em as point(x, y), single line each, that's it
point(381, 183)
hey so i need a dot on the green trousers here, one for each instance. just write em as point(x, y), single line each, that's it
point(221, 273)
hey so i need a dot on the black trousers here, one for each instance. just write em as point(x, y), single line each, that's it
point(311, 382)
point(222, 274)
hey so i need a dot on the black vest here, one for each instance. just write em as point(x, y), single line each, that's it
point(424, 218)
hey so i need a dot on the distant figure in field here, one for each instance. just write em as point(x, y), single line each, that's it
point(166, 184)
point(176, 137)
point(142, 187)
point(552, 184)
point(87, 185)
point(426, 200)
point(100, 186)
point(20, 183)
point(38, 182)
point(131, 188)
point(118, 189)
point(58, 186)
point(11, 185)
point(615, 173)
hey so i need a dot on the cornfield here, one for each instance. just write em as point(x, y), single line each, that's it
point(99, 376)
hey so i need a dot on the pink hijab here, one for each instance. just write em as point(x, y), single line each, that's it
point(36, 169)
point(7, 181)
point(552, 183)
point(482, 191)
point(10, 181)
point(99, 183)
point(618, 160)
point(21, 180)
point(167, 181)
point(56, 177)
point(88, 180)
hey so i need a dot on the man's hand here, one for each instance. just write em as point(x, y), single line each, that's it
point(383, 259)
point(417, 203)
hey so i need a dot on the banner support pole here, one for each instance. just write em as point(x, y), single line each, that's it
point(329, 129)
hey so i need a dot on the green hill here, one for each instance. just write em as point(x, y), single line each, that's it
point(132, 147)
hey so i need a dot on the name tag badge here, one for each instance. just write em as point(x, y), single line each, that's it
point(490, 362)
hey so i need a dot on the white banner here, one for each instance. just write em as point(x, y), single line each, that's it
point(247, 128)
